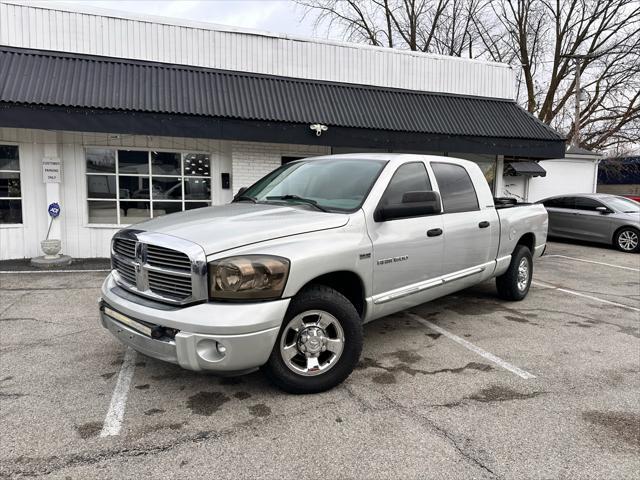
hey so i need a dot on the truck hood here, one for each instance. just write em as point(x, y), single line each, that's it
point(221, 228)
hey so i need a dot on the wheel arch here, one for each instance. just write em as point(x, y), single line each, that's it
point(528, 240)
point(348, 283)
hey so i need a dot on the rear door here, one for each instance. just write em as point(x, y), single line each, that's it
point(468, 227)
point(560, 211)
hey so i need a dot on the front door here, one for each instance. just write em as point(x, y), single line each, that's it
point(590, 224)
point(406, 251)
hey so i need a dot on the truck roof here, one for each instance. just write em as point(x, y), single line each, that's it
point(393, 158)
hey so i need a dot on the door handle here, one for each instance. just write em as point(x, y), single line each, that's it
point(484, 224)
point(434, 232)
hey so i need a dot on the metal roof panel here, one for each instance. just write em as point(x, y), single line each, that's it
point(64, 79)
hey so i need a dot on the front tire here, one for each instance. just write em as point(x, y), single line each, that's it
point(627, 239)
point(514, 284)
point(319, 343)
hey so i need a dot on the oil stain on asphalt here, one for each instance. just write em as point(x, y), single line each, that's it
point(206, 403)
point(242, 395)
point(388, 377)
point(626, 426)
point(497, 393)
point(153, 411)
point(88, 430)
point(259, 410)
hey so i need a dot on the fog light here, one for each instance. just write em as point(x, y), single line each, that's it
point(221, 348)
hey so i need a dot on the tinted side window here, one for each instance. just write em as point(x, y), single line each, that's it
point(590, 204)
point(456, 188)
point(410, 177)
point(562, 202)
point(552, 203)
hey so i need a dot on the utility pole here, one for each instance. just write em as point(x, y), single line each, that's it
point(576, 122)
point(575, 140)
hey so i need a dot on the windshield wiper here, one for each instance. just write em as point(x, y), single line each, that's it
point(308, 201)
point(245, 197)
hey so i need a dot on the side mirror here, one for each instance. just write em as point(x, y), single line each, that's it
point(603, 210)
point(414, 204)
point(240, 192)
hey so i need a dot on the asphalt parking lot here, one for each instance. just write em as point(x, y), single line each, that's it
point(422, 404)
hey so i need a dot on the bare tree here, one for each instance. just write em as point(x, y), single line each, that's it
point(540, 38)
point(546, 36)
point(437, 26)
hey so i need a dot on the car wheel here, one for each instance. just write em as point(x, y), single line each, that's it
point(627, 239)
point(514, 284)
point(319, 343)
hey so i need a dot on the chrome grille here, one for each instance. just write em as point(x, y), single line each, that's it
point(169, 284)
point(126, 270)
point(125, 247)
point(167, 258)
point(145, 263)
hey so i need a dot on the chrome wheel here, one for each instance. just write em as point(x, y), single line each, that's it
point(312, 343)
point(523, 274)
point(628, 240)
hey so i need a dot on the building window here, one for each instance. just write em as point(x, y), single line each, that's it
point(130, 186)
point(10, 191)
point(487, 164)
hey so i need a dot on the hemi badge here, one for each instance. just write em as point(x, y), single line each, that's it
point(364, 256)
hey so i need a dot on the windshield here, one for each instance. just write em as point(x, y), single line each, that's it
point(621, 204)
point(332, 184)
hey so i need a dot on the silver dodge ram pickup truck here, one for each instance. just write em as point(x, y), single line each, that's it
point(285, 276)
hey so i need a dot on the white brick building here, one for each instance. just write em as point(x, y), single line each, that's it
point(139, 117)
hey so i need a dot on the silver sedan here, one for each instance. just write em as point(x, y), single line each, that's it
point(595, 217)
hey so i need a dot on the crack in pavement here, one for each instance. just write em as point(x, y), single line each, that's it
point(32, 319)
point(43, 342)
point(440, 431)
point(55, 463)
point(13, 303)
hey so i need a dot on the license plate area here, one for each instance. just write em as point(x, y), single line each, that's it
point(131, 323)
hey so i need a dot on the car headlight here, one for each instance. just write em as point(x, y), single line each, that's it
point(248, 277)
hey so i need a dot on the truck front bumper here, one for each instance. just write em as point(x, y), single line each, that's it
point(223, 337)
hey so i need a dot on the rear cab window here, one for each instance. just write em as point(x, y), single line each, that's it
point(456, 188)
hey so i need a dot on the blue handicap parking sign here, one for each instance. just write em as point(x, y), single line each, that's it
point(54, 210)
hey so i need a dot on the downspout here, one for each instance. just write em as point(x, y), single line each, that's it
point(595, 175)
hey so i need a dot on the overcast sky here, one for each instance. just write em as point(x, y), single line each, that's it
point(281, 16)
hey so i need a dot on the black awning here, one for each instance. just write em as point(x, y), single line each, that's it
point(528, 169)
point(54, 80)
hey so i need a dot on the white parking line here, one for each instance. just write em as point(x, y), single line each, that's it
point(593, 261)
point(113, 420)
point(590, 297)
point(483, 353)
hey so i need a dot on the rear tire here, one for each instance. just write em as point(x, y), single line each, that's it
point(319, 343)
point(627, 239)
point(514, 284)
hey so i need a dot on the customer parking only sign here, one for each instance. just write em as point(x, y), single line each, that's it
point(51, 170)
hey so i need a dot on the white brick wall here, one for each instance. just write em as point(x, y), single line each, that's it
point(252, 161)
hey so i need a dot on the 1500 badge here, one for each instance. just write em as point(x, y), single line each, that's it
point(384, 261)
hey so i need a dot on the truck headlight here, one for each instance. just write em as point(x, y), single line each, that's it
point(248, 277)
